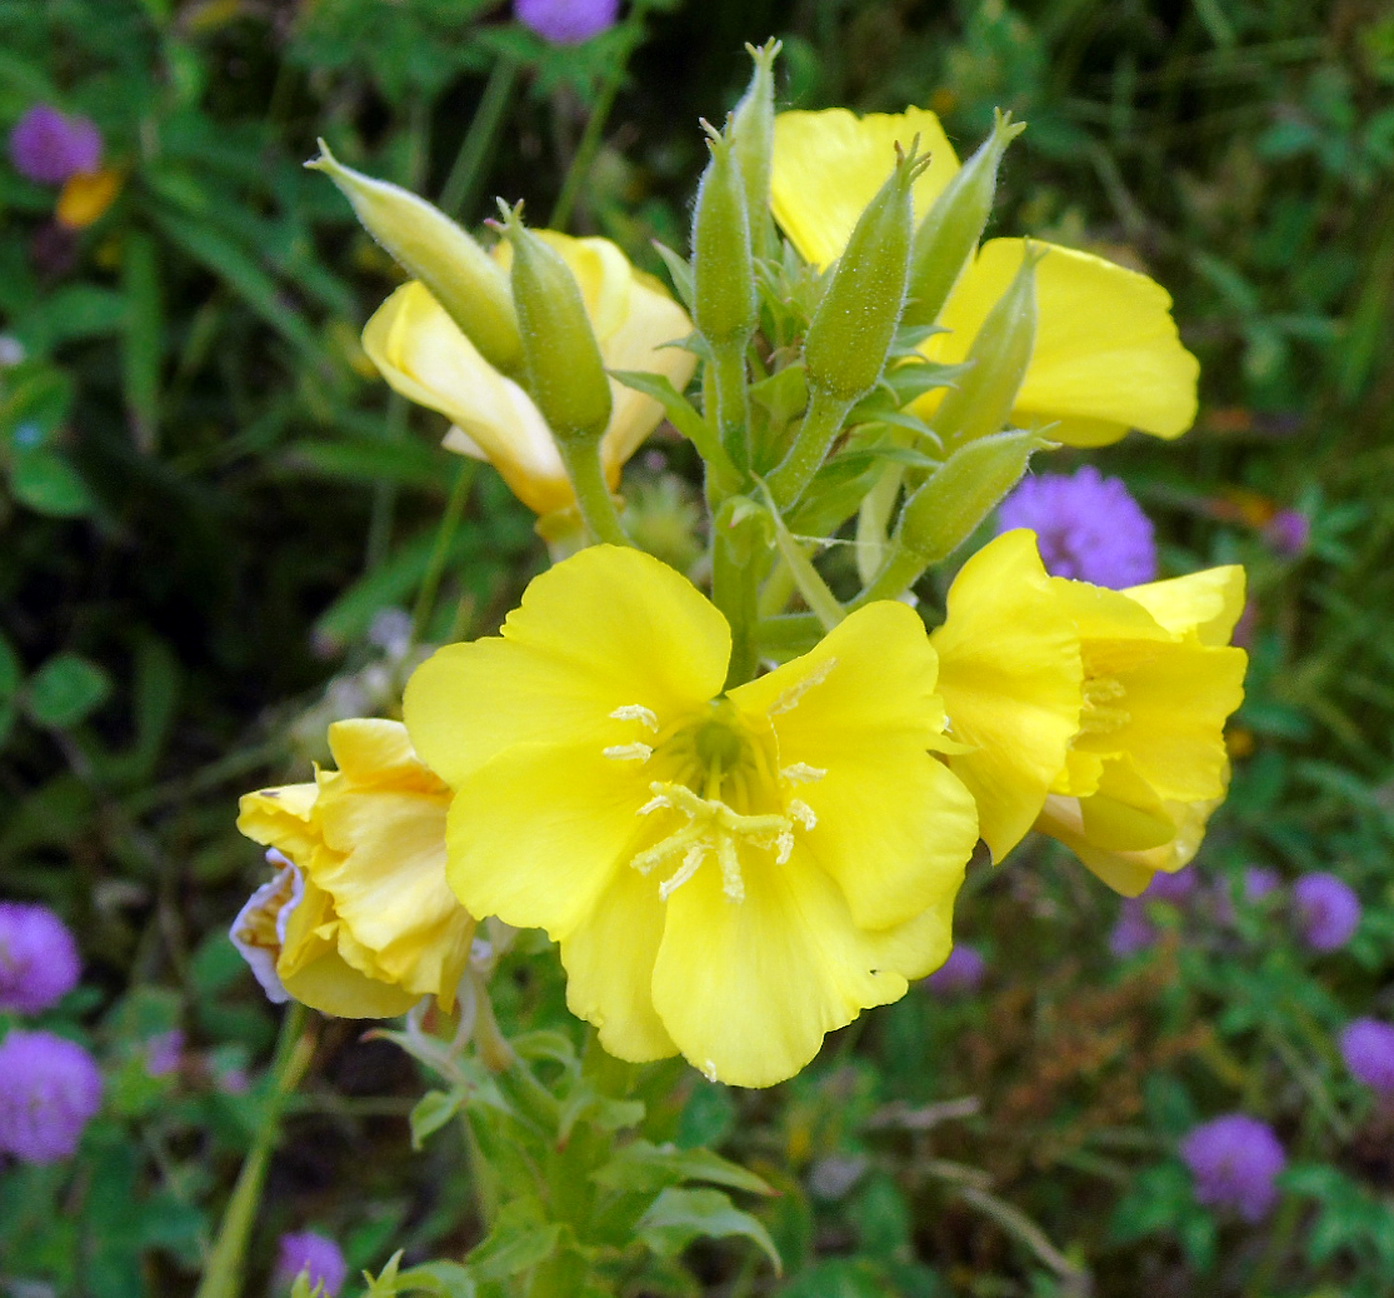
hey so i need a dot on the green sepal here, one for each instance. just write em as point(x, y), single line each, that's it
point(725, 300)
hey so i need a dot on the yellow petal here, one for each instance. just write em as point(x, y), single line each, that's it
point(828, 166)
point(280, 818)
point(610, 628)
point(855, 719)
point(537, 835)
point(316, 974)
point(1206, 604)
point(748, 989)
point(422, 354)
point(609, 959)
point(1010, 674)
point(1107, 355)
point(87, 196)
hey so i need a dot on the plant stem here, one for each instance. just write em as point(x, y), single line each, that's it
point(222, 1276)
point(735, 590)
point(590, 139)
point(900, 570)
point(732, 401)
point(815, 437)
point(582, 458)
point(467, 172)
point(445, 536)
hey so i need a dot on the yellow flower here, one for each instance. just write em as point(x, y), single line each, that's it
point(360, 920)
point(87, 196)
point(1149, 762)
point(1107, 355)
point(1010, 675)
point(421, 352)
point(730, 875)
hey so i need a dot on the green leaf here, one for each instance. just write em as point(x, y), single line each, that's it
point(443, 1279)
point(143, 341)
point(48, 484)
point(643, 1167)
point(65, 691)
point(431, 1112)
point(409, 463)
point(78, 311)
point(683, 415)
point(520, 1239)
point(680, 270)
point(11, 670)
point(36, 401)
point(677, 1217)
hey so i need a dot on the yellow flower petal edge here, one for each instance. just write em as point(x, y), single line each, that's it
point(360, 919)
point(828, 166)
point(423, 355)
point(1148, 765)
point(1107, 356)
point(1010, 674)
point(730, 876)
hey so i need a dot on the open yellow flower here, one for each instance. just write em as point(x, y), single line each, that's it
point(1149, 762)
point(1010, 675)
point(359, 920)
point(423, 354)
point(730, 875)
point(1107, 356)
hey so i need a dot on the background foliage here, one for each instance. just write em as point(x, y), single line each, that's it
point(210, 502)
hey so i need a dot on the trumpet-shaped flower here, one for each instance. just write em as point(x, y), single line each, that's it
point(1010, 674)
point(423, 354)
point(1107, 355)
point(359, 921)
point(1148, 765)
point(729, 875)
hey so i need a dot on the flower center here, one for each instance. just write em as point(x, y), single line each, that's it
point(720, 777)
point(1102, 714)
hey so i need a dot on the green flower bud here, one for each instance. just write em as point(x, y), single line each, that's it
point(431, 248)
point(561, 357)
point(724, 304)
point(982, 400)
point(967, 487)
point(855, 322)
point(752, 133)
point(951, 229)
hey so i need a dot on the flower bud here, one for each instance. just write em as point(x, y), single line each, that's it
point(561, 356)
point(982, 400)
point(724, 301)
point(431, 248)
point(855, 322)
point(967, 487)
point(752, 134)
point(951, 229)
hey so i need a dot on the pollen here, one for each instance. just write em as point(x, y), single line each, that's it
point(1102, 715)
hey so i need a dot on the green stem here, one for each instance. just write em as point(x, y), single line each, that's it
point(807, 578)
point(222, 1277)
point(467, 173)
point(590, 139)
point(900, 570)
point(814, 439)
point(873, 521)
point(789, 635)
point(582, 458)
point(732, 400)
point(445, 536)
point(735, 591)
point(385, 493)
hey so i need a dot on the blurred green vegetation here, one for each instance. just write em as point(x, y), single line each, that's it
point(210, 504)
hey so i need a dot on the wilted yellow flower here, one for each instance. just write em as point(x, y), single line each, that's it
point(1107, 356)
point(730, 875)
point(1149, 762)
point(1010, 674)
point(359, 920)
point(423, 354)
point(87, 196)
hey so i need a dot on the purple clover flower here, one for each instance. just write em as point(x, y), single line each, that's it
point(1261, 881)
point(1176, 888)
point(1235, 1161)
point(1288, 532)
point(39, 961)
point(164, 1052)
point(1133, 932)
point(1327, 910)
point(50, 1088)
point(567, 22)
point(1367, 1045)
point(49, 147)
point(961, 974)
point(316, 1254)
point(1089, 527)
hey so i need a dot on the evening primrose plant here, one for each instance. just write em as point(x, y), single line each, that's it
point(742, 812)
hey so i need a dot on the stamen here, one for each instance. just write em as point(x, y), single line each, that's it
point(696, 854)
point(637, 712)
point(803, 813)
point(791, 698)
point(802, 773)
point(629, 752)
point(732, 884)
point(1101, 716)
